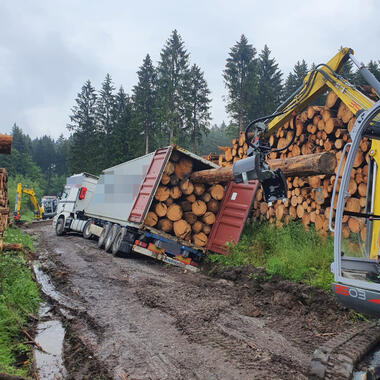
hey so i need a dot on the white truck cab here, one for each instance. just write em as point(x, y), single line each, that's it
point(76, 196)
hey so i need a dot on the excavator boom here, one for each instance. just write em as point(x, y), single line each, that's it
point(38, 210)
point(318, 81)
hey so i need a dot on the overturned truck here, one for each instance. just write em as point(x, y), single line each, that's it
point(150, 206)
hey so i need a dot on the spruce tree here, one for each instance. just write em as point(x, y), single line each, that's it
point(105, 121)
point(62, 148)
point(240, 77)
point(144, 101)
point(20, 141)
point(374, 68)
point(198, 106)
point(348, 73)
point(125, 136)
point(171, 86)
point(85, 144)
point(295, 79)
point(270, 83)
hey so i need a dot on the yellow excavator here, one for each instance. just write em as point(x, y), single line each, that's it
point(356, 271)
point(38, 210)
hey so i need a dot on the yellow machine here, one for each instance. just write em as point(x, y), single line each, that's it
point(38, 210)
point(325, 77)
point(356, 271)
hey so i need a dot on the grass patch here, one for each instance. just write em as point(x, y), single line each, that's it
point(292, 252)
point(19, 299)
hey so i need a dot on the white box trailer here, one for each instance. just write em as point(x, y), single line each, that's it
point(123, 196)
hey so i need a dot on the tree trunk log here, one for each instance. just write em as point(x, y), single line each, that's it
point(5, 144)
point(306, 165)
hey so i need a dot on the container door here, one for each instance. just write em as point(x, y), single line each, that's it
point(231, 216)
point(149, 185)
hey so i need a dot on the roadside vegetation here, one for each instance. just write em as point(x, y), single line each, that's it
point(292, 252)
point(19, 300)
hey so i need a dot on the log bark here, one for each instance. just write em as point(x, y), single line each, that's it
point(162, 193)
point(217, 192)
point(174, 212)
point(175, 192)
point(5, 144)
point(190, 217)
point(213, 206)
point(182, 229)
point(169, 169)
point(165, 225)
point(197, 227)
point(165, 179)
point(200, 239)
point(199, 189)
point(191, 198)
point(183, 168)
point(206, 197)
point(199, 208)
point(10, 246)
point(161, 209)
point(151, 219)
point(306, 165)
point(208, 218)
point(186, 186)
point(206, 229)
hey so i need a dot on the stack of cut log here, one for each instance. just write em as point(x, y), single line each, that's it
point(318, 129)
point(182, 208)
point(4, 203)
point(5, 148)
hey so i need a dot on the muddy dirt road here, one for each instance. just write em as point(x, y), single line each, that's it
point(145, 320)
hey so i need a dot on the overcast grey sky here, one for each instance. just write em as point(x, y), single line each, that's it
point(48, 49)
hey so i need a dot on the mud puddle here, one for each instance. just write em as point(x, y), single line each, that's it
point(66, 353)
point(50, 336)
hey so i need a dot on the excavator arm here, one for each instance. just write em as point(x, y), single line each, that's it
point(38, 210)
point(317, 81)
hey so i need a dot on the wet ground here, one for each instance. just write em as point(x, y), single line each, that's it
point(134, 318)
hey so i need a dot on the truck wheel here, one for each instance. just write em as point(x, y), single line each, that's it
point(86, 230)
point(111, 237)
point(117, 241)
point(60, 227)
point(104, 234)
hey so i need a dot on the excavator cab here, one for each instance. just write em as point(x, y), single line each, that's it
point(356, 265)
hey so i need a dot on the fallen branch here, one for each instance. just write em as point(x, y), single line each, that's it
point(32, 341)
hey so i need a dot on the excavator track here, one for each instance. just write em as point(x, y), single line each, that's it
point(337, 358)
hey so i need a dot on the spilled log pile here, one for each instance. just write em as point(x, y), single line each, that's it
point(184, 208)
point(5, 148)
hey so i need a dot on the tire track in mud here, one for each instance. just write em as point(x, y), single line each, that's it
point(154, 321)
point(214, 328)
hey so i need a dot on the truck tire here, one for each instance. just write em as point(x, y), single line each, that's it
point(60, 227)
point(117, 241)
point(86, 230)
point(104, 234)
point(111, 237)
